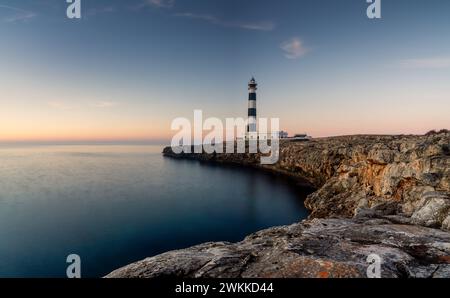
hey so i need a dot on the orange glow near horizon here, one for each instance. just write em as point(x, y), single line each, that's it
point(148, 135)
point(27, 117)
point(81, 134)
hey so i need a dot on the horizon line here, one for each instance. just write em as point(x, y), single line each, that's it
point(168, 141)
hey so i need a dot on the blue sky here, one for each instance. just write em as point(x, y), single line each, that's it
point(127, 68)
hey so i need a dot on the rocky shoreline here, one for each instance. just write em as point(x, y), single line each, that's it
point(388, 195)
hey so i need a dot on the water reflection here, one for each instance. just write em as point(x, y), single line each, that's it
point(113, 205)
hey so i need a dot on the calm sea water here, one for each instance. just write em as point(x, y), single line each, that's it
point(113, 205)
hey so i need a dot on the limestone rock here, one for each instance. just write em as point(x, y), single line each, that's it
point(434, 212)
point(318, 248)
point(446, 223)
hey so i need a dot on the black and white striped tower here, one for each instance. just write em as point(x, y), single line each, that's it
point(252, 123)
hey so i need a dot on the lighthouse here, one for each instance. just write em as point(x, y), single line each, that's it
point(252, 123)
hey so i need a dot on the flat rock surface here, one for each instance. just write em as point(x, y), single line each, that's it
point(315, 248)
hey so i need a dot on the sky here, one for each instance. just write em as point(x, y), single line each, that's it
point(126, 69)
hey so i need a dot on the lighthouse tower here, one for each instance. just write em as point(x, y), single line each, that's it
point(252, 123)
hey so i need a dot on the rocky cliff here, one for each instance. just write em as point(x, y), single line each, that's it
point(318, 248)
point(384, 194)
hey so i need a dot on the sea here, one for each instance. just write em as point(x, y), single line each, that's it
point(116, 204)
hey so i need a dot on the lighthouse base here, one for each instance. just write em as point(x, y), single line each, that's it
point(251, 136)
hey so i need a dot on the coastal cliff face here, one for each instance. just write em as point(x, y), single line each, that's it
point(388, 195)
point(387, 175)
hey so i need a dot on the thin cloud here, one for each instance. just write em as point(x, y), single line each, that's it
point(102, 10)
point(294, 48)
point(260, 26)
point(18, 14)
point(59, 105)
point(168, 4)
point(161, 3)
point(64, 106)
point(103, 104)
point(203, 17)
point(426, 63)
